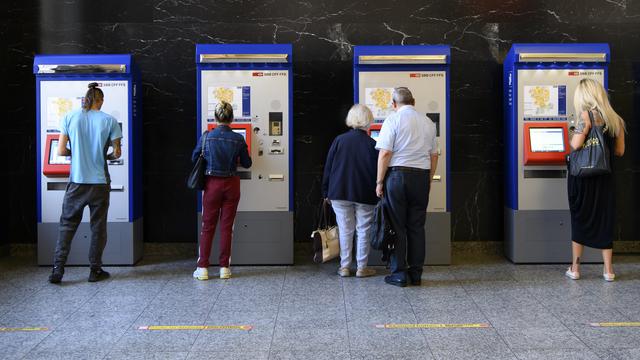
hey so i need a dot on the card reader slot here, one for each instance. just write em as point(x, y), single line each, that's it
point(57, 186)
point(545, 174)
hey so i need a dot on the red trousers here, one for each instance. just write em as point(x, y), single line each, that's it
point(220, 201)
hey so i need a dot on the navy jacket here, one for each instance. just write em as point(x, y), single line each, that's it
point(222, 149)
point(350, 170)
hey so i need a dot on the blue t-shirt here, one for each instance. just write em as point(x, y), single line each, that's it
point(90, 133)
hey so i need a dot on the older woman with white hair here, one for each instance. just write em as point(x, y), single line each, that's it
point(350, 182)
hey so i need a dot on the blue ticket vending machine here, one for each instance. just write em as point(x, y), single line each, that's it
point(539, 84)
point(257, 80)
point(61, 83)
point(424, 69)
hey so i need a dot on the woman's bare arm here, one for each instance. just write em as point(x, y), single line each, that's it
point(581, 130)
point(619, 145)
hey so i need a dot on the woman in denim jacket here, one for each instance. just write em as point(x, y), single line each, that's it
point(223, 149)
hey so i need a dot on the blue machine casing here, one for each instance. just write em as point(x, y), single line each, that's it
point(260, 236)
point(526, 230)
point(130, 251)
point(438, 223)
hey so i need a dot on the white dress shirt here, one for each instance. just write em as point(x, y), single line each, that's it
point(410, 136)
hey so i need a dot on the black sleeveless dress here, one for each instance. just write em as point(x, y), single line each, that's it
point(592, 206)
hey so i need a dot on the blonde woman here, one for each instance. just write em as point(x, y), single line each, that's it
point(592, 199)
point(349, 181)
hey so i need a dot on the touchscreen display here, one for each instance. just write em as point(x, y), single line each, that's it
point(375, 134)
point(547, 139)
point(54, 159)
point(242, 132)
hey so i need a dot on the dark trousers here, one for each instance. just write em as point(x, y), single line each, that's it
point(76, 197)
point(219, 202)
point(406, 193)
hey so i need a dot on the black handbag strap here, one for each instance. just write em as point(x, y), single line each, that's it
point(203, 140)
point(323, 221)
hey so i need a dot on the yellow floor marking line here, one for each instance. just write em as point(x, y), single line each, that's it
point(617, 324)
point(432, 326)
point(4, 329)
point(197, 327)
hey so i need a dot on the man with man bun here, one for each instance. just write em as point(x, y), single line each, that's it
point(89, 132)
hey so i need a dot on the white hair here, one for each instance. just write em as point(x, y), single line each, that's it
point(359, 117)
point(402, 96)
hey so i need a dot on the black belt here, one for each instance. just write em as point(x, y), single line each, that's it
point(408, 169)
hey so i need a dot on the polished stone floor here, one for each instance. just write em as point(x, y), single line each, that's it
point(308, 312)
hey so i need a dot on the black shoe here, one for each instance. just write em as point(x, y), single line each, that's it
point(98, 275)
point(56, 275)
point(390, 279)
point(415, 280)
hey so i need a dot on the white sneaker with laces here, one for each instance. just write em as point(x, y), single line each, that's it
point(225, 273)
point(201, 273)
point(573, 275)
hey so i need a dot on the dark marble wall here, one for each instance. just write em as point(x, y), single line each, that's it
point(162, 34)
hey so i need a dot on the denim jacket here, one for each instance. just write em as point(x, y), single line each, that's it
point(222, 150)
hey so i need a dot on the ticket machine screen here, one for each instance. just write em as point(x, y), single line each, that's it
point(375, 134)
point(242, 132)
point(547, 139)
point(54, 158)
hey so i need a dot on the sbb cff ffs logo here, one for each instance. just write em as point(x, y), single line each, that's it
point(268, 73)
point(425, 75)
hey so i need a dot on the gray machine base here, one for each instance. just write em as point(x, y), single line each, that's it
point(541, 236)
point(438, 241)
point(124, 244)
point(259, 238)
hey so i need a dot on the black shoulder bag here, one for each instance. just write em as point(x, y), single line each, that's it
point(383, 236)
point(594, 157)
point(195, 181)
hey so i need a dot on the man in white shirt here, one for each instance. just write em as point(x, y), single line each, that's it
point(407, 161)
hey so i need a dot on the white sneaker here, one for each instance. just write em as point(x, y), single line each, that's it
point(573, 275)
point(201, 273)
point(365, 272)
point(609, 277)
point(225, 273)
point(344, 272)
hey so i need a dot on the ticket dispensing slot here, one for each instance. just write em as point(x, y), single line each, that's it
point(546, 143)
point(55, 165)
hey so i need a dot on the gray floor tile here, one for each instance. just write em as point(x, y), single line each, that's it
point(134, 340)
point(480, 353)
point(392, 355)
point(98, 339)
point(304, 355)
point(240, 355)
point(365, 337)
point(15, 345)
point(624, 354)
point(470, 338)
point(236, 341)
point(557, 354)
point(65, 355)
point(127, 355)
point(607, 338)
point(540, 338)
point(310, 339)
